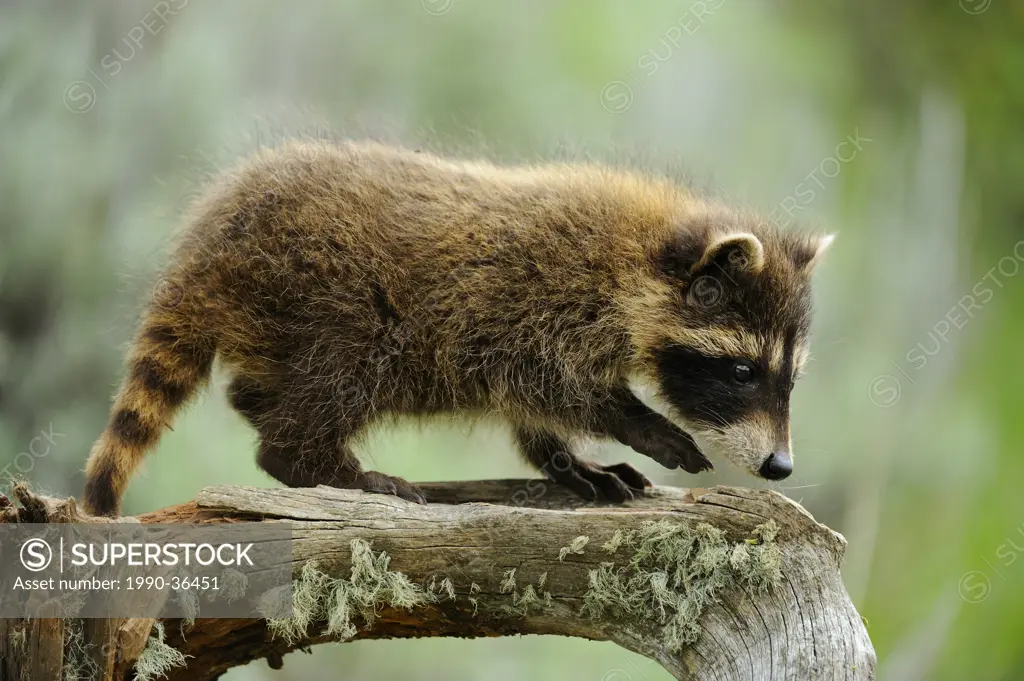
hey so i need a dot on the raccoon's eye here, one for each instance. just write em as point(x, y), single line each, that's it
point(743, 372)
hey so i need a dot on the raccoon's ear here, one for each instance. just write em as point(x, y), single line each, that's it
point(737, 253)
point(809, 253)
point(690, 256)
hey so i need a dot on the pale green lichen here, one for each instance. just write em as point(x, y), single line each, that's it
point(523, 602)
point(276, 604)
point(676, 571)
point(18, 638)
point(758, 559)
point(309, 594)
point(234, 584)
point(446, 588)
point(526, 600)
point(78, 664)
point(372, 585)
point(188, 601)
point(575, 546)
point(508, 581)
point(157, 657)
point(613, 544)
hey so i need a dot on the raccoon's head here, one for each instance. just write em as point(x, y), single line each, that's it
point(724, 335)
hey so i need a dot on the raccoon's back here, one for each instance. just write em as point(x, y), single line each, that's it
point(482, 256)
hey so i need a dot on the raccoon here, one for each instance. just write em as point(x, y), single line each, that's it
point(343, 285)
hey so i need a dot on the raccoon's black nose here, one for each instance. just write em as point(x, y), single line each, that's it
point(777, 466)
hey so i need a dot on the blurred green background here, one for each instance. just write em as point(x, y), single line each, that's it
point(908, 425)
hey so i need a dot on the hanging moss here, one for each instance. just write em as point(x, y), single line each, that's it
point(309, 595)
point(676, 571)
point(78, 663)
point(157, 657)
point(372, 585)
point(18, 638)
point(188, 600)
point(234, 585)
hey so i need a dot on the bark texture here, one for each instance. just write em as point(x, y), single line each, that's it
point(462, 548)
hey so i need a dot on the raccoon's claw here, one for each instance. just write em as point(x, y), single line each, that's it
point(673, 448)
point(616, 483)
point(695, 461)
point(381, 483)
point(631, 476)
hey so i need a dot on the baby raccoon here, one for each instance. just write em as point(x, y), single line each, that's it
point(343, 285)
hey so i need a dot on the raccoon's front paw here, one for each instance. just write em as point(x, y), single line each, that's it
point(673, 448)
point(381, 483)
point(618, 482)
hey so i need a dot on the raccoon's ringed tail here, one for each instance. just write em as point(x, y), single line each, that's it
point(165, 367)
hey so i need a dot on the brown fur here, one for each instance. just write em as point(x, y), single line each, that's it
point(345, 284)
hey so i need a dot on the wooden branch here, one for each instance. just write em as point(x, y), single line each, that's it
point(463, 545)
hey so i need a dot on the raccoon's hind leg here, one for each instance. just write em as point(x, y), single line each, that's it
point(251, 399)
point(300, 451)
point(554, 457)
point(304, 455)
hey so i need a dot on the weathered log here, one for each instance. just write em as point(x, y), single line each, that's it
point(721, 583)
